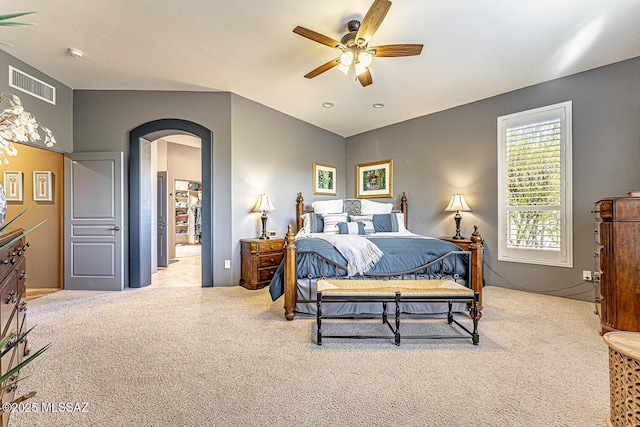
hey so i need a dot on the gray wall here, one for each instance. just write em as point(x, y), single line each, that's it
point(456, 151)
point(255, 149)
point(273, 153)
point(103, 120)
point(58, 118)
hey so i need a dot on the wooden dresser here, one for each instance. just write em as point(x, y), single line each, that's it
point(259, 259)
point(13, 305)
point(617, 263)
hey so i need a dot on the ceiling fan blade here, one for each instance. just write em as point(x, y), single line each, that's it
point(365, 78)
point(324, 67)
point(316, 37)
point(372, 21)
point(396, 50)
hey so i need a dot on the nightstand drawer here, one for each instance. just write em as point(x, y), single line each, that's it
point(270, 260)
point(267, 273)
point(269, 246)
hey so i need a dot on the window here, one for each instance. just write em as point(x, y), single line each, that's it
point(534, 186)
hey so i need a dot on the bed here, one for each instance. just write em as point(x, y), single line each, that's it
point(311, 253)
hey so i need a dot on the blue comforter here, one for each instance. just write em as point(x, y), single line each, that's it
point(400, 254)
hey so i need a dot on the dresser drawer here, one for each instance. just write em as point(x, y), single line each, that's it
point(8, 299)
point(11, 361)
point(9, 258)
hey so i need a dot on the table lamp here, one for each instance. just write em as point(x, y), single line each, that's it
point(264, 205)
point(457, 204)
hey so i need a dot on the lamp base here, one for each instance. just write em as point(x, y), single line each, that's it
point(457, 217)
point(264, 227)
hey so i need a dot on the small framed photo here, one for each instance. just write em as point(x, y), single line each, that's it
point(42, 186)
point(13, 185)
point(324, 179)
point(374, 179)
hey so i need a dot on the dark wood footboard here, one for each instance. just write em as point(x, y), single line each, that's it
point(290, 262)
point(477, 263)
point(290, 275)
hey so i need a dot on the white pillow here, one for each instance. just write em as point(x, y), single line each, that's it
point(368, 207)
point(312, 223)
point(327, 206)
point(331, 222)
point(401, 227)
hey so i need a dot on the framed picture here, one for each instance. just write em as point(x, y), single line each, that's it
point(374, 179)
point(324, 179)
point(13, 185)
point(42, 186)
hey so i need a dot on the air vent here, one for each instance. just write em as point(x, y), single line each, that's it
point(29, 84)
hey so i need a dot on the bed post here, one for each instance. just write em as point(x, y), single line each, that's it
point(404, 208)
point(299, 212)
point(477, 263)
point(290, 274)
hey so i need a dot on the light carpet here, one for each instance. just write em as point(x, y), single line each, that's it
point(226, 356)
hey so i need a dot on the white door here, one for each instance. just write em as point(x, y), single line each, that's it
point(94, 249)
point(162, 221)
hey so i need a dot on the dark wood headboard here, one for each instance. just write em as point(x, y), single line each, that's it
point(404, 208)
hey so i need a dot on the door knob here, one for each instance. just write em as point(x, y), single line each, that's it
point(116, 228)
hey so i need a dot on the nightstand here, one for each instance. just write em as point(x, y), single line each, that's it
point(259, 259)
point(463, 243)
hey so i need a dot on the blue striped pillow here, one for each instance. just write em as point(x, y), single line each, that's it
point(351, 228)
point(312, 223)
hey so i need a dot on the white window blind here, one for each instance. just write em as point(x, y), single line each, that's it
point(534, 189)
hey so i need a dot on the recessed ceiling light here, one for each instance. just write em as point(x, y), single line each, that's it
point(76, 53)
point(378, 105)
point(327, 104)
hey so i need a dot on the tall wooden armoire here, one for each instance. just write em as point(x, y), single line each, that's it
point(617, 263)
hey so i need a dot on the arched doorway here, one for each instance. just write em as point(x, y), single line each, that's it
point(140, 197)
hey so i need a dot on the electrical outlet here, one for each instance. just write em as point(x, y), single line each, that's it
point(227, 264)
point(586, 275)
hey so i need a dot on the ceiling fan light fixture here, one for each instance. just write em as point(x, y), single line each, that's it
point(346, 58)
point(365, 58)
point(353, 47)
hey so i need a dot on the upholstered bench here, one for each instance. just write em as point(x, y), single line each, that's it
point(397, 292)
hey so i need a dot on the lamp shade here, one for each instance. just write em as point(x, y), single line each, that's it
point(264, 204)
point(458, 203)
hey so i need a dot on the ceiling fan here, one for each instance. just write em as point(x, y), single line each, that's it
point(354, 46)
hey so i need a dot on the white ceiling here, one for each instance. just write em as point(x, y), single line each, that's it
point(472, 50)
